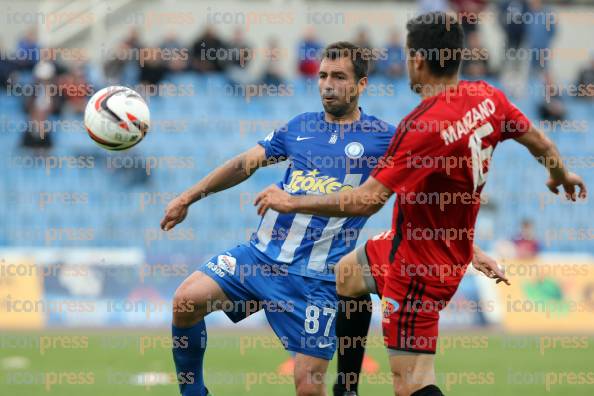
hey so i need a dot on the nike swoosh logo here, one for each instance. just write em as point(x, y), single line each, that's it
point(320, 345)
point(299, 138)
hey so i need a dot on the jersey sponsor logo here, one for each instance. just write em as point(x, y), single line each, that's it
point(215, 268)
point(300, 138)
point(354, 150)
point(227, 263)
point(312, 183)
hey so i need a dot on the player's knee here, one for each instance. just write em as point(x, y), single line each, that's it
point(345, 285)
point(187, 311)
point(308, 387)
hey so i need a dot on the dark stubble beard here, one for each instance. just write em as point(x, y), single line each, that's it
point(340, 109)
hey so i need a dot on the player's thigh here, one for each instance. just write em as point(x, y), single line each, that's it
point(197, 295)
point(302, 312)
point(350, 280)
point(309, 373)
point(411, 371)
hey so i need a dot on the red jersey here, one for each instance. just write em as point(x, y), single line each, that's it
point(437, 164)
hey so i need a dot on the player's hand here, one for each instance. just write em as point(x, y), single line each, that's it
point(273, 198)
point(489, 267)
point(175, 212)
point(569, 184)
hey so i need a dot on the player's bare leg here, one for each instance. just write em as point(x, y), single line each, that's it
point(197, 296)
point(350, 280)
point(413, 373)
point(309, 375)
point(193, 300)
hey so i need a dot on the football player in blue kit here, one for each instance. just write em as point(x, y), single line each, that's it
point(286, 268)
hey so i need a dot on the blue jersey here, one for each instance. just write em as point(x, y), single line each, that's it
point(323, 158)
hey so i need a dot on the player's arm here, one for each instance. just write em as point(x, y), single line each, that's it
point(546, 152)
point(488, 266)
point(230, 174)
point(361, 201)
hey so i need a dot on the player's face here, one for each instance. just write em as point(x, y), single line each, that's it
point(412, 65)
point(339, 88)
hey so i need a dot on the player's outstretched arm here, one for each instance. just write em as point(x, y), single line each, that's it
point(361, 201)
point(230, 174)
point(547, 154)
point(488, 266)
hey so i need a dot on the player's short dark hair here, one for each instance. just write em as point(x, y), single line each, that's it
point(359, 56)
point(439, 38)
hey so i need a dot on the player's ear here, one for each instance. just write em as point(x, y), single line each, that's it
point(418, 60)
point(362, 84)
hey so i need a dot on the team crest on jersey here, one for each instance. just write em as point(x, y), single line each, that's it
point(354, 150)
point(389, 306)
point(227, 263)
point(312, 183)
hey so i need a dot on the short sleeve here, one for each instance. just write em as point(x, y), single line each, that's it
point(274, 144)
point(406, 161)
point(516, 123)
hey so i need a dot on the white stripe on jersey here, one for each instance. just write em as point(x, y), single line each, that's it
point(294, 237)
point(265, 230)
point(321, 247)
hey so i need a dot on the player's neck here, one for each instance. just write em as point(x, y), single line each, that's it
point(435, 86)
point(348, 118)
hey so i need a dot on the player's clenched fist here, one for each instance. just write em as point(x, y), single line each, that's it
point(175, 212)
point(273, 198)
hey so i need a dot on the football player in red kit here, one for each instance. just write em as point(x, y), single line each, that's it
point(437, 164)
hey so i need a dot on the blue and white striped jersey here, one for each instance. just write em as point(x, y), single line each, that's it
point(323, 158)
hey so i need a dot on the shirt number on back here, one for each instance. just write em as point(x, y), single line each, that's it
point(480, 156)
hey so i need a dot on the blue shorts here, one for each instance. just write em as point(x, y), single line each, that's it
point(301, 310)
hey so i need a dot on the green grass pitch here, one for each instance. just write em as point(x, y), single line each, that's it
point(112, 363)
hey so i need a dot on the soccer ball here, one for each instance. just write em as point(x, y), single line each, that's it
point(117, 118)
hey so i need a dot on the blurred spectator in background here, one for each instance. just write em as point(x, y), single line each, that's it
point(116, 63)
point(122, 66)
point(541, 28)
point(477, 66)
point(133, 39)
point(206, 52)
point(27, 50)
point(239, 49)
point(240, 54)
point(40, 106)
point(7, 67)
point(514, 71)
point(468, 13)
point(74, 89)
point(511, 20)
point(179, 59)
point(310, 49)
point(152, 69)
point(586, 79)
point(525, 242)
point(426, 6)
point(394, 64)
point(273, 74)
point(362, 40)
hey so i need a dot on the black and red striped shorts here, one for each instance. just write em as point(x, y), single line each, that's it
point(410, 303)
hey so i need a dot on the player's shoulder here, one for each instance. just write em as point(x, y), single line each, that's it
point(481, 88)
point(373, 124)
